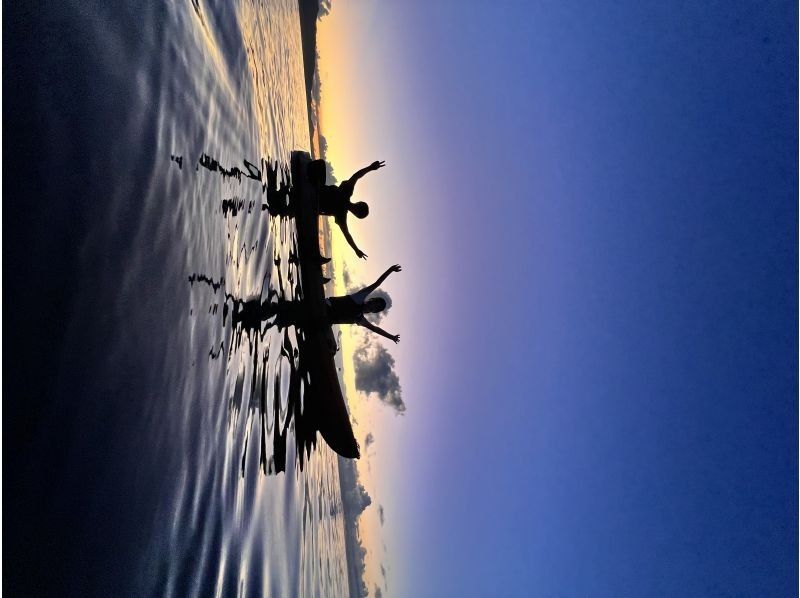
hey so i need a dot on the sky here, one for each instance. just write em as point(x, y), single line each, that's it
point(595, 208)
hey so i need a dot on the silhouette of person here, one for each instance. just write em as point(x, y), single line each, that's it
point(335, 201)
point(350, 309)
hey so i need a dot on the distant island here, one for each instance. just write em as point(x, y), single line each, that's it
point(354, 500)
point(309, 13)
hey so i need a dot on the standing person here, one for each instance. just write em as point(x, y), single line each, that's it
point(335, 201)
point(351, 308)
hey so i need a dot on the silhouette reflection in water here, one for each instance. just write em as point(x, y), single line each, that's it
point(277, 191)
point(252, 171)
point(277, 196)
point(249, 322)
point(234, 205)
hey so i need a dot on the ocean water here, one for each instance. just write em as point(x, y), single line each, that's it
point(140, 428)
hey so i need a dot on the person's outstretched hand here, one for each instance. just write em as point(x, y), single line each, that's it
point(396, 338)
point(377, 164)
point(395, 268)
point(361, 254)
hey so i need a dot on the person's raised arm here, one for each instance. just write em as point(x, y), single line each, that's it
point(346, 232)
point(374, 166)
point(381, 278)
point(378, 330)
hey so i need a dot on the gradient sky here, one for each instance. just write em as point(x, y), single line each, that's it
point(595, 205)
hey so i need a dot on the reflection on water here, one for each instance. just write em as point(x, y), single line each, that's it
point(251, 170)
point(147, 419)
point(254, 320)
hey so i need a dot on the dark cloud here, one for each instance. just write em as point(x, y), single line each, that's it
point(368, 441)
point(357, 499)
point(378, 593)
point(374, 369)
point(380, 513)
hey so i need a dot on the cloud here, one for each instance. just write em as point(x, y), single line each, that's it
point(380, 513)
point(357, 499)
point(375, 374)
point(348, 279)
point(378, 593)
point(368, 441)
point(324, 8)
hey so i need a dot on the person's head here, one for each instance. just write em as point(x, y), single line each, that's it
point(359, 209)
point(374, 305)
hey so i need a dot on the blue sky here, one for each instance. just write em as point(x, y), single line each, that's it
point(595, 206)
point(601, 366)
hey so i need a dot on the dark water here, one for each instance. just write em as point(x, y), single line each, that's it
point(138, 445)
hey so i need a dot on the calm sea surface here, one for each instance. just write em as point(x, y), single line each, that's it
point(138, 429)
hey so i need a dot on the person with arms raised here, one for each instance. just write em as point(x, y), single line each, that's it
point(348, 309)
point(351, 308)
point(334, 200)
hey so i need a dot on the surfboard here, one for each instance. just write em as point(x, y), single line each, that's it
point(324, 403)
